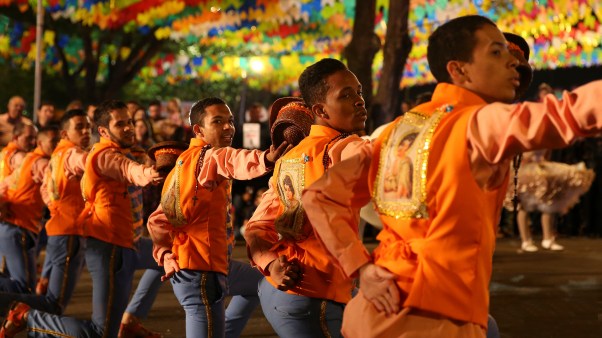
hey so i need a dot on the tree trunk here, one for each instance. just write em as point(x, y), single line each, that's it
point(363, 46)
point(124, 71)
point(397, 48)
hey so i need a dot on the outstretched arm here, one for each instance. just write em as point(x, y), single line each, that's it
point(499, 131)
point(115, 165)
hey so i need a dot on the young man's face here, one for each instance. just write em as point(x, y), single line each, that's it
point(492, 72)
point(27, 140)
point(78, 131)
point(344, 106)
point(48, 141)
point(45, 114)
point(121, 128)
point(218, 126)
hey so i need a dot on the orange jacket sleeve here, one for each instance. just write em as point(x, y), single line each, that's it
point(260, 234)
point(499, 131)
point(115, 165)
point(230, 163)
point(160, 231)
point(75, 161)
point(332, 205)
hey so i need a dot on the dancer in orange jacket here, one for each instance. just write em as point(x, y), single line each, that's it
point(436, 246)
point(192, 228)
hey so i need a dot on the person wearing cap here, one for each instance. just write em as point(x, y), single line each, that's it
point(305, 290)
point(21, 215)
point(437, 245)
point(192, 228)
point(112, 222)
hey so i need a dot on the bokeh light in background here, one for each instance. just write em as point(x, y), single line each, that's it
point(232, 38)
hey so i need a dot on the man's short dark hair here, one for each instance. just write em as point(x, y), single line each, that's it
point(155, 103)
point(455, 40)
point(45, 103)
point(312, 81)
point(102, 114)
point(69, 115)
point(20, 128)
point(46, 130)
point(197, 111)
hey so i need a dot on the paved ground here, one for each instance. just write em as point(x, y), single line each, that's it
point(543, 294)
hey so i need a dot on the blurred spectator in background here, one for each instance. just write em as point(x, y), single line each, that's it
point(133, 106)
point(75, 104)
point(155, 115)
point(174, 112)
point(8, 120)
point(543, 90)
point(45, 115)
point(94, 136)
point(143, 132)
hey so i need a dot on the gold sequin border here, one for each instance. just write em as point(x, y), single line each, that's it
point(416, 207)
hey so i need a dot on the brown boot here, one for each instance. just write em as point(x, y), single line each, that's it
point(134, 329)
point(15, 321)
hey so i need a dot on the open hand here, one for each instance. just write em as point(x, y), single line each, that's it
point(285, 273)
point(170, 265)
point(275, 153)
point(156, 176)
point(379, 288)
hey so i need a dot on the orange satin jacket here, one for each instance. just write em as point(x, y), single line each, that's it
point(25, 204)
point(65, 195)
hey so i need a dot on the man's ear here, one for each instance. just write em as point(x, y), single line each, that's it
point(104, 132)
point(63, 133)
point(457, 72)
point(197, 130)
point(318, 110)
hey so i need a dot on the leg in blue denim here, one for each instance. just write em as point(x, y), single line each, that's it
point(111, 268)
point(150, 282)
point(299, 316)
point(42, 237)
point(65, 258)
point(493, 330)
point(43, 242)
point(201, 295)
point(43, 325)
point(18, 249)
point(243, 281)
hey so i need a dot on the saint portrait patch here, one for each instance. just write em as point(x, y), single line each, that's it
point(400, 187)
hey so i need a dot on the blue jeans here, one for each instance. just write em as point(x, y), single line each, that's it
point(150, 282)
point(241, 284)
point(493, 330)
point(297, 316)
point(64, 263)
point(243, 281)
point(112, 270)
point(201, 294)
point(18, 251)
